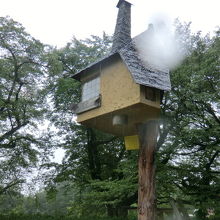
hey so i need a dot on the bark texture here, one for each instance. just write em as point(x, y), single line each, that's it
point(148, 133)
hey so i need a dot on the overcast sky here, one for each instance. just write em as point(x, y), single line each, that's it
point(55, 22)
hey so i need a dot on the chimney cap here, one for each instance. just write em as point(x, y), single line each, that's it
point(121, 1)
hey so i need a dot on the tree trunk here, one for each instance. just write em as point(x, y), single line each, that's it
point(176, 213)
point(122, 212)
point(93, 155)
point(183, 210)
point(110, 211)
point(148, 133)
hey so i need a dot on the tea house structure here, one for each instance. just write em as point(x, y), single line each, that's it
point(122, 89)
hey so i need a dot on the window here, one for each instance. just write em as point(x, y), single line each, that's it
point(91, 89)
point(150, 94)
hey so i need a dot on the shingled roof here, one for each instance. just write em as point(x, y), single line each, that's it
point(142, 72)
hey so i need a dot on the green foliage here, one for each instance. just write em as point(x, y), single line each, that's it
point(188, 159)
point(47, 217)
point(105, 175)
point(97, 163)
point(22, 102)
point(97, 176)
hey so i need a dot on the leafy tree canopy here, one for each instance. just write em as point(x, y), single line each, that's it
point(22, 102)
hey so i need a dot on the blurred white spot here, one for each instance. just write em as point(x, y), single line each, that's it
point(159, 46)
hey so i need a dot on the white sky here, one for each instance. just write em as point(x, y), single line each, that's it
point(55, 22)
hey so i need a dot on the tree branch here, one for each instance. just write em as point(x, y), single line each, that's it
point(105, 141)
point(12, 131)
point(208, 165)
point(11, 184)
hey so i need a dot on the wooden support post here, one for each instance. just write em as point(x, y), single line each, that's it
point(148, 133)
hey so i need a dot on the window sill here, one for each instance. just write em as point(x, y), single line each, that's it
point(87, 105)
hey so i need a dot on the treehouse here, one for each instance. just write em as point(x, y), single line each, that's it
point(121, 90)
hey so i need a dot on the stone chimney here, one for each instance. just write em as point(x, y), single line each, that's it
point(122, 33)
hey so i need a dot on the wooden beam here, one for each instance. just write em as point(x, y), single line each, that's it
point(147, 133)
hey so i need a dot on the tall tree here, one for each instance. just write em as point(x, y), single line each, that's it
point(22, 104)
point(190, 154)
